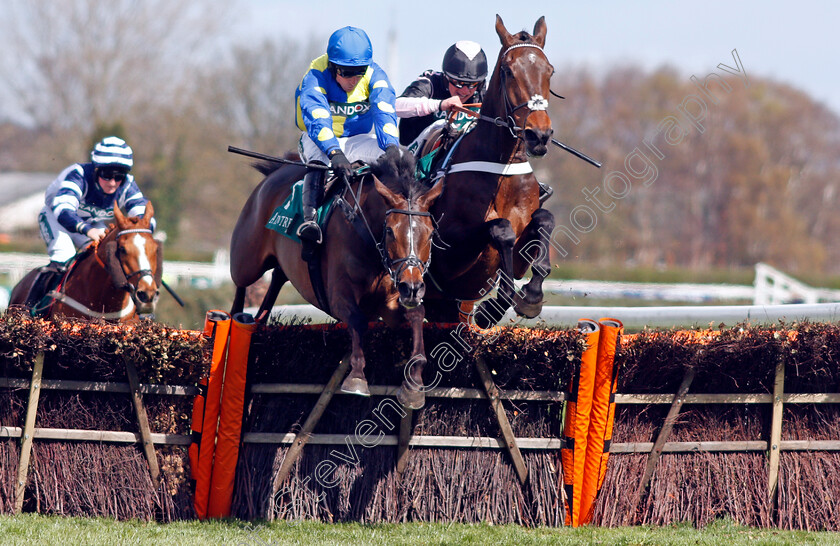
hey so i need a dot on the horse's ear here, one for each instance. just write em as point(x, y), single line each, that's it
point(119, 216)
point(149, 214)
point(425, 201)
point(393, 199)
point(539, 31)
point(504, 35)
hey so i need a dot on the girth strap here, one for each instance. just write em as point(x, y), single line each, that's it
point(504, 169)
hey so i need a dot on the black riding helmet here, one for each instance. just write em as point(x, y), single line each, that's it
point(465, 61)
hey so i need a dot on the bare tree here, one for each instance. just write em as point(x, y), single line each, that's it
point(251, 95)
point(75, 64)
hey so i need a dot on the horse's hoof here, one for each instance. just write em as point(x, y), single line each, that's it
point(355, 385)
point(411, 399)
point(528, 310)
point(486, 315)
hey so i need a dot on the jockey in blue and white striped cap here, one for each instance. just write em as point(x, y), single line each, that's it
point(112, 151)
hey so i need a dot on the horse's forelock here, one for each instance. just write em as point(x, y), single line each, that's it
point(523, 36)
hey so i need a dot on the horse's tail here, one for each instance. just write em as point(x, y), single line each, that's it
point(266, 167)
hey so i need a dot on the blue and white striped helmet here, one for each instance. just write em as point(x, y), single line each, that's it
point(112, 151)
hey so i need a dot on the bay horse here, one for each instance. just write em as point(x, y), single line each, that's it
point(489, 213)
point(371, 267)
point(117, 280)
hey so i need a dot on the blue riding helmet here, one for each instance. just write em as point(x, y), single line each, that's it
point(349, 46)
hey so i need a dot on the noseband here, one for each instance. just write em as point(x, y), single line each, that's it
point(412, 260)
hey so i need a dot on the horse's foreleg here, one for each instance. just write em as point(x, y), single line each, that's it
point(502, 238)
point(356, 383)
point(534, 251)
point(238, 301)
point(411, 392)
point(278, 279)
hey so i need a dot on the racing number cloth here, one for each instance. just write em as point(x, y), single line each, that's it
point(590, 411)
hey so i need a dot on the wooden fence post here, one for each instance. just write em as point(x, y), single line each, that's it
point(142, 421)
point(776, 430)
point(656, 451)
point(504, 424)
point(28, 431)
point(306, 431)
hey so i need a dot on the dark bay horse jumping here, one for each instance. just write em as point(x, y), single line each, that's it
point(116, 280)
point(371, 267)
point(490, 215)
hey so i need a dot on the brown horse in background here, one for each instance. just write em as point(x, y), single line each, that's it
point(489, 213)
point(371, 268)
point(116, 280)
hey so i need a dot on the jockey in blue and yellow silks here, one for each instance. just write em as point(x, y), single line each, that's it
point(342, 97)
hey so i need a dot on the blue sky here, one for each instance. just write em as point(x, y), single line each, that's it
point(791, 42)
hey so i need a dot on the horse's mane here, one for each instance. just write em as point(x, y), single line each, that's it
point(398, 173)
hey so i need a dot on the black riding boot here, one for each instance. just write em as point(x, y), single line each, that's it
point(309, 232)
point(545, 192)
point(45, 281)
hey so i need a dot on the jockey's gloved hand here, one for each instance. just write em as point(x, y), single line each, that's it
point(340, 166)
point(95, 234)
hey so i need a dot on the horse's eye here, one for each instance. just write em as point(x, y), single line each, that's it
point(389, 232)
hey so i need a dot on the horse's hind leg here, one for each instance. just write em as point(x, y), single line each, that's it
point(411, 393)
point(529, 300)
point(502, 237)
point(278, 279)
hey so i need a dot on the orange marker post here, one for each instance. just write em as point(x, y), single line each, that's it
point(204, 469)
point(576, 428)
point(230, 418)
point(601, 416)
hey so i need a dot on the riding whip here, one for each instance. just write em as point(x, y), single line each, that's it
point(265, 157)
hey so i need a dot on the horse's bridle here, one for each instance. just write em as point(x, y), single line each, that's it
point(534, 104)
point(412, 260)
point(129, 287)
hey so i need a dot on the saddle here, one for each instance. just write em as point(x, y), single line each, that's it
point(431, 155)
point(287, 217)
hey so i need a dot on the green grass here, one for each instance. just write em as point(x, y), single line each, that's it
point(32, 529)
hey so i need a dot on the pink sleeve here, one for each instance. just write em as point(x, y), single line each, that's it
point(410, 107)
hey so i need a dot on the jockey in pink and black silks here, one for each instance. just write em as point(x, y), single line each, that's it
point(79, 205)
point(345, 108)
